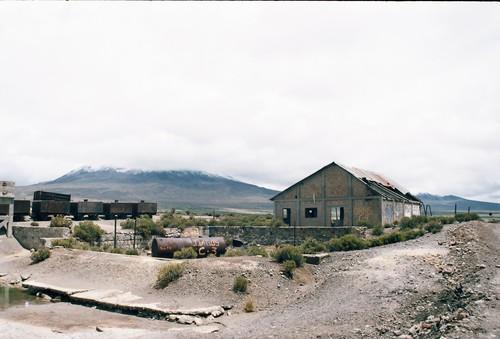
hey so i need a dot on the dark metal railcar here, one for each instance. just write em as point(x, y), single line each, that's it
point(89, 209)
point(21, 209)
point(4, 209)
point(42, 195)
point(147, 208)
point(44, 209)
point(119, 210)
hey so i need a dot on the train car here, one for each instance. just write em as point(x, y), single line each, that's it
point(86, 209)
point(147, 208)
point(4, 209)
point(42, 195)
point(21, 209)
point(119, 210)
point(44, 209)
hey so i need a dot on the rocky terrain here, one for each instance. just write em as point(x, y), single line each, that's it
point(443, 285)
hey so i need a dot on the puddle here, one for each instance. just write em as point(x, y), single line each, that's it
point(11, 296)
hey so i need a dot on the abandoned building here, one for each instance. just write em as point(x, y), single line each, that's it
point(338, 195)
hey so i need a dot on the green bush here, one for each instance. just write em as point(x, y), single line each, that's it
point(186, 253)
point(363, 223)
point(311, 245)
point(240, 284)
point(406, 223)
point(289, 267)
point(131, 251)
point(117, 250)
point(60, 221)
point(446, 220)
point(40, 255)
point(146, 227)
point(257, 250)
point(88, 231)
point(68, 243)
point(412, 234)
point(377, 230)
point(348, 242)
point(168, 273)
point(461, 217)
point(289, 252)
point(391, 238)
point(373, 242)
point(235, 252)
point(433, 226)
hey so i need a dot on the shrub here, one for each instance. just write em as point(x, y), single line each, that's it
point(447, 220)
point(311, 245)
point(168, 273)
point(348, 242)
point(131, 251)
point(289, 252)
point(249, 305)
point(60, 221)
point(186, 253)
point(68, 243)
point(146, 227)
point(388, 226)
point(117, 250)
point(257, 250)
point(406, 223)
point(34, 223)
point(235, 252)
point(375, 242)
point(88, 231)
point(289, 267)
point(412, 234)
point(391, 238)
point(377, 230)
point(461, 217)
point(240, 284)
point(40, 255)
point(433, 226)
point(363, 223)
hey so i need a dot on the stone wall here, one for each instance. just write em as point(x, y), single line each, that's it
point(124, 240)
point(264, 235)
point(34, 236)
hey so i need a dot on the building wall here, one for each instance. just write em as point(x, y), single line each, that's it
point(34, 236)
point(332, 187)
point(395, 211)
point(263, 235)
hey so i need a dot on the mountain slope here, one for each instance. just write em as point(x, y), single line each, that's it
point(447, 203)
point(171, 189)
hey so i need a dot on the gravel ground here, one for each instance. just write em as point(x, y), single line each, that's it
point(444, 284)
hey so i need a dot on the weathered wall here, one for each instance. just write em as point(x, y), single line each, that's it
point(124, 240)
point(394, 211)
point(275, 235)
point(33, 236)
point(332, 187)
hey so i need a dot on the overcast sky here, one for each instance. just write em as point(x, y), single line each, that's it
point(263, 92)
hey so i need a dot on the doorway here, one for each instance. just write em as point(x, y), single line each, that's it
point(337, 216)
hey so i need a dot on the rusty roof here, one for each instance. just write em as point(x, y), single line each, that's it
point(381, 184)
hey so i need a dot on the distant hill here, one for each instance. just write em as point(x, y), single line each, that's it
point(447, 203)
point(171, 189)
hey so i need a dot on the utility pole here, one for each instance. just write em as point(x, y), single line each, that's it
point(135, 227)
point(114, 237)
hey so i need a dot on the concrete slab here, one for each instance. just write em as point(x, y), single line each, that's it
point(51, 289)
point(316, 259)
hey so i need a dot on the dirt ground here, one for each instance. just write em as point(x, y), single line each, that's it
point(440, 285)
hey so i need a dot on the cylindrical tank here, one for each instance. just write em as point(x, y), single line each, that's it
point(165, 247)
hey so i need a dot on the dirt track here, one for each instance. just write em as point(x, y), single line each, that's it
point(444, 284)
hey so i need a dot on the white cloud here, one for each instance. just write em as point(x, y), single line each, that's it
point(264, 92)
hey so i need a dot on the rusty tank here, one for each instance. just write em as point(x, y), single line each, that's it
point(165, 247)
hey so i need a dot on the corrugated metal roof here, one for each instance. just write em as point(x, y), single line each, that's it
point(384, 186)
point(373, 176)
